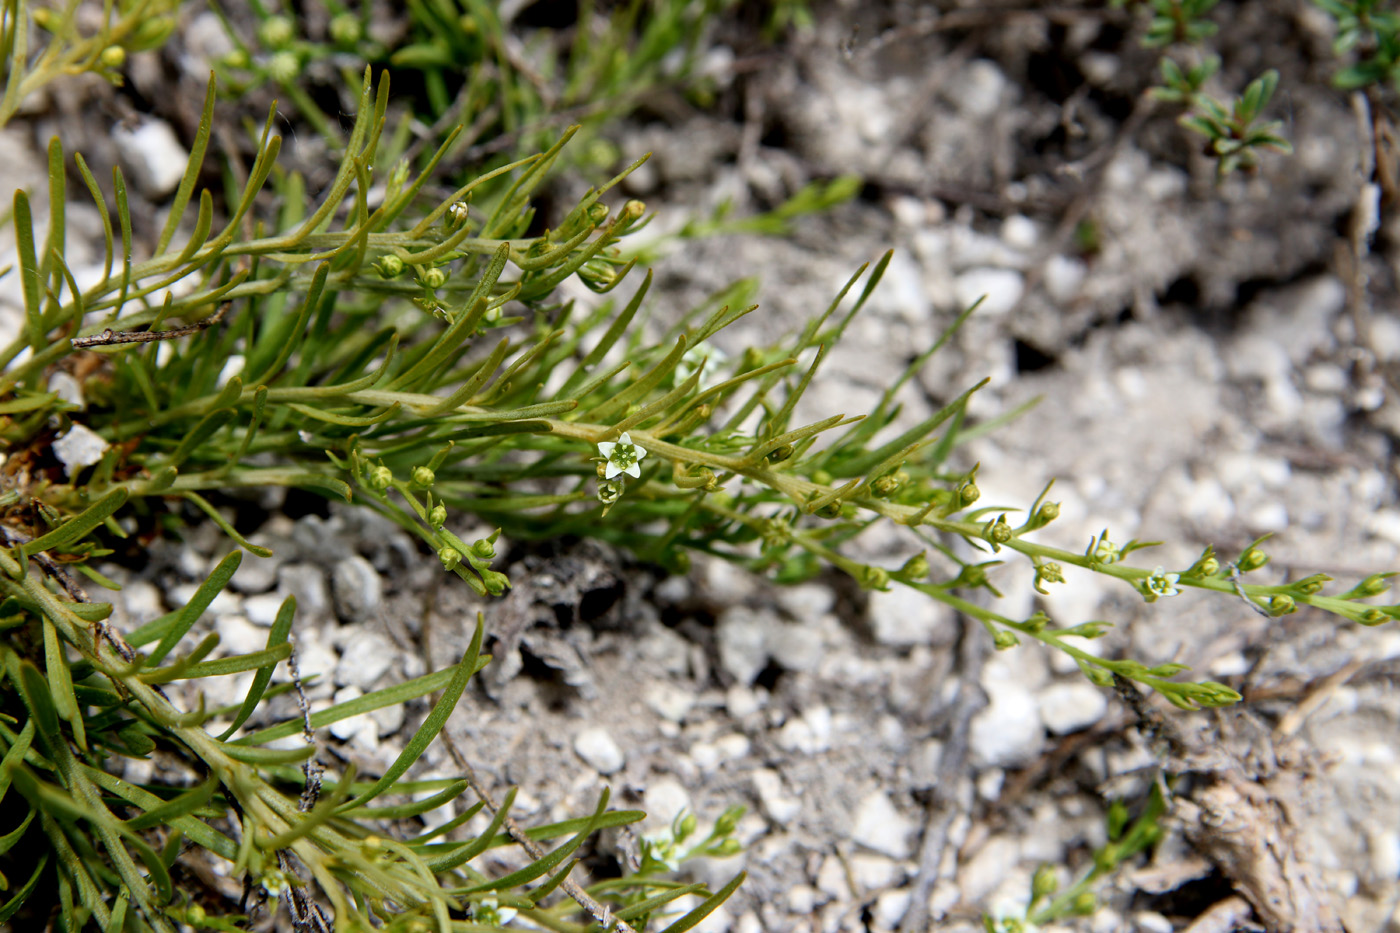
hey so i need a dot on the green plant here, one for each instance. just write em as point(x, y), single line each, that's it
point(129, 26)
point(1372, 33)
point(412, 357)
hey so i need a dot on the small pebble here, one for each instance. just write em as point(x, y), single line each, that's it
point(881, 828)
point(599, 751)
point(357, 588)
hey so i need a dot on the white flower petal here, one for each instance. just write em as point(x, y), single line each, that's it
point(640, 450)
point(626, 438)
point(634, 470)
point(606, 448)
point(611, 470)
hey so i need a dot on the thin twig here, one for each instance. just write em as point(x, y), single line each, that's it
point(952, 768)
point(109, 337)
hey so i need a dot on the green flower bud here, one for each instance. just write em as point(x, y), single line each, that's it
point(236, 59)
point(1282, 605)
point(1044, 882)
point(997, 532)
point(887, 485)
point(1048, 513)
point(44, 18)
point(632, 211)
point(196, 915)
point(598, 274)
point(113, 56)
point(968, 493)
point(345, 29)
point(1085, 904)
point(727, 848)
point(422, 476)
point(1253, 559)
point(389, 267)
point(496, 583)
point(728, 820)
point(458, 213)
point(830, 510)
point(915, 568)
point(1049, 572)
point(873, 578)
point(973, 575)
point(1311, 586)
point(1374, 617)
point(1004, 639)
point(1374, 585)
point(597, 213)
point(284, 67)
point(1207, 567)
point(432, 279)
point(685, 826)
point(380, 477)
point(152, 32)
point(779, 454)
point(483, 549)
point(1038, 622)
point(1097, 675)
point(275, 32)
point(450, 557)
point(437, 515)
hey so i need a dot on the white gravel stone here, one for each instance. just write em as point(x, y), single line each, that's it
point(357, 589)
point(901, 617)
point(1066, 708)
point(67, 389)
point(78, 448)
point(741, 701)
point(153, 157)
point(1000, 289)
point(237, 635)
point(831, 879)
point(806, 601)
point(262, 608)
point(796, 646)
point(890, 908)
point(1384, 846)
point(666, 798)
point(881, 828)
point(977, 89)
point(142, 601)
point(598, 749)
point(255, 574)
point(1063, 277)
point(743, 643)
point(1008, 732)
point(365, 657)
point(308, 584)
point(1019, 232)
point(872, 872)
point(359, 730)
point(708, 756)
point(808, 735)
point(802, 899)
point(669, 701)
point(776, 805)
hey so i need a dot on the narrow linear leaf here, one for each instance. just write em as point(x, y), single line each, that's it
point(547, 863)
point(281, 627)
point(706, 907)
point(71, 531)
point(12, 906)
point(435, 721)
point(193, 609)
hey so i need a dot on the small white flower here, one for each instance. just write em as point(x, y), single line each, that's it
point(458, 213)
point(622, 456)
point(1162, 583)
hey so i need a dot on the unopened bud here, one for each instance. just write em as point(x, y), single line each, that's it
point(433, 279)
point(779, 454)
point(1004, 639)
point(873, 578)
point(632, 211)
point(1048, 513)
point(1282, 605)
point(450, 557)
point(345, 29)
point(389, 267)
point(380, 477)
point(969, 493)
point(483, 549)
point(284, 67)
point(1208, 567)
point(1374, 585)
point(597, 213)
point(113, 56)
point(437, 515)
point(1253, 559)
point(1311, 586)
point(685, 826)
point(997, 532)
point(1085, 904)
point(915, 568)
point(496, 583)
point(423, 476)
point(1044, 882)
point(1373, 617)
point(276, 32)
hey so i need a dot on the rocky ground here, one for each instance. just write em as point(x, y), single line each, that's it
point(1214, 364)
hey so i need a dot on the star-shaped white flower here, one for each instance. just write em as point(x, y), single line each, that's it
point(622, 456)
point(1162, 583)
